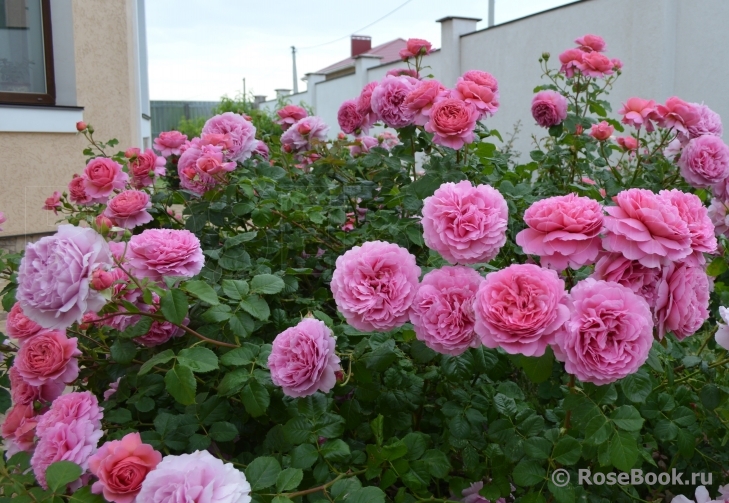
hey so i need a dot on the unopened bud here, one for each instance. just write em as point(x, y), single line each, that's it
point(102, 224)
point(101, 279)
point(578, 129)
point(339, 375)
point(286, 148)
point(80, 126)
point(322, 440)
point(545, 56)
point(305, 128)
point(131, 152)
point(342, 136)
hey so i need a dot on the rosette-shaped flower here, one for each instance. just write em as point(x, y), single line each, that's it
point(570, 59)
point(144, 166)
point(241, 133)
point(677, 114)
point(289, 115)
point(54, 276)
point(646, 228)
point(129, 209)
point(482, 79)
point(696, 216)
point(388, 100)
point(629, 273)
point(704, 161)
point(23, 393)
point(483, 98)
point(364, 105)
point(304, 134)
point(102, 176)
point(638, 112)
point(302, 360)
point(682, 304)
point(452, 122)
point(442, 312)
point(348, 117)
point(709, 122)
point(421, 99)
point(169, 143)
point(80, 405)
point(594, 64)
point(193, 178)
point(374, 285)
point(589, 43)
point(194, 478)
point(362, 145)
point(19, 326)
point(609, 333)
point(549, 108)
point(520, 309)
point(77, 191)
point(718, 214)
point(563, 230)
point(157, 253)
point(465, 224)
point(602, 131)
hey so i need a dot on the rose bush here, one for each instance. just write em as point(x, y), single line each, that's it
point(270, 315)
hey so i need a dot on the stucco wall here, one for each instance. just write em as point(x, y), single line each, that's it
point(329, 97)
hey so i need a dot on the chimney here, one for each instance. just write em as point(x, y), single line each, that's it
point(360, 44)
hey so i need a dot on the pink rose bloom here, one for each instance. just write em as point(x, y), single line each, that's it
point(471, 495)
point(145, 166)
point(113, 388)
point(289, 115)
point(678, 114)
point(19, 326)
point(121, 466)
point(374, 285)
point(682, 305)
point(465, 224)
point(640, 279)
point(646, 228)
point(549, 108)
point(102, 176)
point(194, 478)
point(170, 143)
point(305, 134)
point(704, 161)
point(397, 72)
point(617, 64)
point(53, 203)
point(418, 46)
point(601, 131)
point(388, 100)
point(48, 356)
point(709, 122)
point(77, 191)
point(302, 360)
point(23, 393)
point(405, 54)
point(388, 140)
point(482, 79)
point(520, 309)
point(694, 213)
point(589, 43)
point(18, 429)
point(442, 312)
point(628, 143)
point(193, 178)
point(160, 332)
point(241, 132)
point(211, 161)
point(570, 60)
point(364, 105)
point(722, 331)
point(262, 150)
point(452, 122)
point(717, 214)
point(348, 117)
point(2, 219)
point(563, 230)
point(362, 145)
point(596, 65)
point(609, 333)
point(80, 405)
point(54, 275)
point(159, 253)
point(637, 112)
point(421, 99)
point(482, 97)
point(129, 209)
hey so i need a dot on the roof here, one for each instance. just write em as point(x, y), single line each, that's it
point(388, 52)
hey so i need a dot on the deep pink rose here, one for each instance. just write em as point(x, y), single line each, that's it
point(709, 122)
point(77, 191)
point(465, 224)
point(563, 230)
point(678, 114)
point(718, 215)
point(704, 161)
point(169, 143)
point(608, 335)
point(682, 304)
point(121, 466)
point(348, 117)
point(48, 356)
point(594, 64)
point(241, 132)
point(418, 46)
point(362, 145)
point(192, 178)
point(601, 131)
point(646, 228)
point(54, 275)
point(19, 326)
point(388, 100)
point(364, 105)
point(694, 213)
point(452, 122)
point(628, 143)
point(481, 97)
point(630, 273)
point(482, 79)
point(637, 112)
point(549, 108)
point(520, 308)
point(589, 43)
point(18, 428)
point(442, 312)
point(53, 203)
point(102, 176)
point(79, 405)
point(129, 209)
point(159, 253)
point(374, 285)
point(304, 135)
point(290, 114)
point(421, 99)
point(23, 393)
point(145, 166)
point(570, 60)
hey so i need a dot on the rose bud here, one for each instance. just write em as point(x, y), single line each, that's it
point(305, 128)
point(322, 440)
point(103, 224)
point(131, 152)
point(578, 129)
point(80, 126)
point(101, 279)
point(342, 136)
point(339, 375)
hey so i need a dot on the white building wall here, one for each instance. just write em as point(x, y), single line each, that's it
point(330, 95)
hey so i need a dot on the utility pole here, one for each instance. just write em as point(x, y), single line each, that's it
point(244, 90)
point(491, 12)
point(296, 80)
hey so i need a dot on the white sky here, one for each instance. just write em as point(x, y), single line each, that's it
point(200, 50)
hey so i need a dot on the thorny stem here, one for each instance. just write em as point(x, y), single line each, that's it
point(321, 487)
point(568, 415)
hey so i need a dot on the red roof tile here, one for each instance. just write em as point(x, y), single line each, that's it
point(390, 51)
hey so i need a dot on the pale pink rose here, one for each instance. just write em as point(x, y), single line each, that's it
point(159, 253)
point(364, 105)
point(646, 228)
point(121, 466)
point(549, 108)
point(304, 135)
point(608, 335)
point(77, 191)
point(113, 388)
point(442, 312)
point(563, 230)
point(303, 359)
point(374, 285)
point(388, 100)
point(48, 356)
point(18, 428)
point(629, 143)
point(520, 309)
point(169, 143)
point(101, 177)
point(601, 131)
point(640, 279)
point(54, 275)
point(289, 115)
point(129, 209)
point(702, 496)
point(191, 177)
point(570, 60)
point(452, 122)
point(589, 43)
point(682, 304)
point(421, 99)
point(53, 203)
point(722, 331)
point(348, 117)
point(80, 405)
point(481, 97)
point(23, 393)
point(704, 161)
point(678, 114)
point(362, 145)
point(145, 166)
point(709, 122)
point(410, 72)
point(262, 150)
point(637, 112)
point(465, 224)
point(418, 46)
point(617, 64)
point(194, 478)
point(19, 326)
point(388, 140)
point(718, 214)
point(241, 131)
point(482, 79)
point(694, 213)
point(594, 64)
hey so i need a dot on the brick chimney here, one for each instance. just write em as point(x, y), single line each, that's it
point(360, 44)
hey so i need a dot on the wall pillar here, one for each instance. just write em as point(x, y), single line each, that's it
point(312, 79)
point(451, 29)
point(362, 63)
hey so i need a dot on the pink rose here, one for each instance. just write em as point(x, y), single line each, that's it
point(520, 309)
point(640, 279)
point(102, 176)
point(191, 177)
point(637, 112)
point(305, 134)
point(18, 429)
point(374, 285)
point(241, 132)
point(159, 253)
point(145, 166)
point(452, 122)
point(563, 230)
point(594, 64)
point(170, 143)
point(23, 393)
point(601, 131)
point(211, 161)
point(48, 356)
point(290, 114)
point(364, 105)
point(421, 99)
point(77, 406)
point(81, 126)
point(388, 140)
point(589, 43)
point(409, 72)
point(717, 213)
point(129, 209)
point(77, 191)
point(121, 466)
point(388, 100)
point(303, 359)
point(694, 213)
point(465, 224)
point(722, 331)
point(418, 46)
point(113, 388)
point(442, 312)
point(709, 122)
point(677, 114)
point(570, 60)
point(549, 108)
point(617, 64)
point(19, 326)
point(405, 54)
point(646, 228)
point(704, 161)
point(608, 335)
point(348, 117)
point(53, 203)
point(471, 494)
point(2, 219)
point(101, 279)
point(682, 304)
point(362, 145)
point(262, 150)
point(481, 97)
point(482, 79)
point(54, 275)
point(160, 331)
point(628, 143)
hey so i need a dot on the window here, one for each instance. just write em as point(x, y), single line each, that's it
point(26, 53)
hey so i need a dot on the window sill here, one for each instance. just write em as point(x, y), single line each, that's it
point(39, 119)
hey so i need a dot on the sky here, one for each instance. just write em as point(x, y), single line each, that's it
point(200, 50)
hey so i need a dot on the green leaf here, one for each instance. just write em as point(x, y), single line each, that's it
point(416, 444)
point(239, 239)
point(711, 396)
point(537, 447)
point(198, 359)
point(118, 416)
point(223, 431)
point(62, 473)
point(174, 306)
point(180, 383)
point(262, 472)
point(281, 499)
point(240, 356)
point(267, 284)
point(138, 329)
point(256, 307)
point(597, 430)
point(637, 386)
point(567, 451)
point(288, 479)
point(335, 450)
point(627, 418)
point(123, 351)
point(304, 456)
point(255, 398)
point(437, 463)
point(157, 359)
point(217, 314)
point(538, 369)
point(528, 473)
point(203, 291)
point(84, 495)
point(717, 267)
point(623, 451)
point(369, 494)
point(235, 289)
point(241, 324)
point(233, 382)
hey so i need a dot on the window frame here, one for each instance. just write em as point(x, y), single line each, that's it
point(49, 97)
